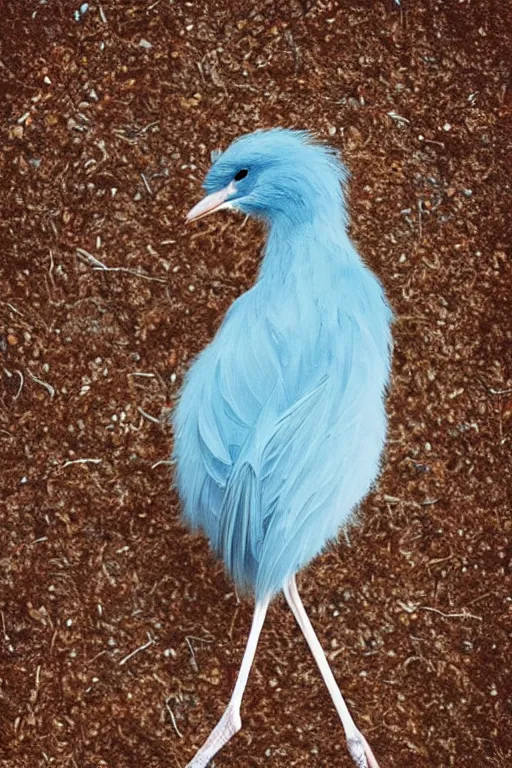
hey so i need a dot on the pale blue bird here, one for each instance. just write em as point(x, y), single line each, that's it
point(281, 421)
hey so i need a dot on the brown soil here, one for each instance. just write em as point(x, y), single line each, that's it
point(106, 131)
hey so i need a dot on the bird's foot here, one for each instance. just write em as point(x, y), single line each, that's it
point(361, 752)
point(229, 724)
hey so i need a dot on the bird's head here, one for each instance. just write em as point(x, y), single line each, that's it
point(277, 175)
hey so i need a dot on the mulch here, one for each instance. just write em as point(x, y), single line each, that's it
point(120, 636)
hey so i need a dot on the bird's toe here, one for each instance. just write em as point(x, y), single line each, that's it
point(357, 751)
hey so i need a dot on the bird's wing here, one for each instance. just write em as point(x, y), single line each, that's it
point(309, 455)
point(321, 458)
point(230, 389)
point(247, 507)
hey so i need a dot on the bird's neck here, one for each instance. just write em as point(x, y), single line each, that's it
point(312, 250)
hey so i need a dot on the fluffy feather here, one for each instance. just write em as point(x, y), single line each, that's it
point(281, 422)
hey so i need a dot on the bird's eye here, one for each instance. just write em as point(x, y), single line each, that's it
point(241, 174)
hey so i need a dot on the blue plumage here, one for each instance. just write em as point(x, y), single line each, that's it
point(281, 422)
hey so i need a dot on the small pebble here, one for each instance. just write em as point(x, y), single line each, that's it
point(81, 11)
point(17, 132)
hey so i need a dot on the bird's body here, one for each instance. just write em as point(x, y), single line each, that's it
point(281, 421)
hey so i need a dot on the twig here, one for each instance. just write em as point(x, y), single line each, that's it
point(4, 630)
point(81, 461)
point(195, 665)
point(137, 650)
point(398, 118)
point(50, 271)
point(407, 607)
point(477, 599)
point(500, 391)
point(25, 314)
point(148, 416)
point(97, 656)
point(450, 615)
point(102, 14)
point(149, 125)
point(140, 373)
point(436, 143)
point(14, 309)
point(162, 461)
point(233, 620)
point(492, 390)
point(146, 184)
point(99, 266)
point(173, 719)
point(44, 384)
point(420, 233)
point(86, 255)
point(21, 377)
point(7, 639)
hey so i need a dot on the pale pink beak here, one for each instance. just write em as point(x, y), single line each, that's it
point(211, 203)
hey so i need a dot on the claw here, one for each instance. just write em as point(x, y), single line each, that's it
point(357, 751)
point(229, 724)
point(360, 751)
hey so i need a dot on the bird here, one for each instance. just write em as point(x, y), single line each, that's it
point(280, 423)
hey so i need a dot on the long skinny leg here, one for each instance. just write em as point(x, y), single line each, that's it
point(230, 722)
point(357, 745)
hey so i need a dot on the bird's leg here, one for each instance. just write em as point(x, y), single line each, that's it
point(230, 722)
point(358, 747)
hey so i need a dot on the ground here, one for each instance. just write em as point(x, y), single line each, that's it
point(120, 636)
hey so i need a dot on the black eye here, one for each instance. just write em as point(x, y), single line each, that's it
point(241, 174)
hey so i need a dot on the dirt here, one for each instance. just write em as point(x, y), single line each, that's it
point(120, 636)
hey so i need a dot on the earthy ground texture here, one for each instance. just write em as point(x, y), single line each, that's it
point(120, 636)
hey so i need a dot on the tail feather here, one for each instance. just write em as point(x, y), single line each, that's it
point(238, 529)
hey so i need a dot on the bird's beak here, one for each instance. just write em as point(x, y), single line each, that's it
point(211, 203)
